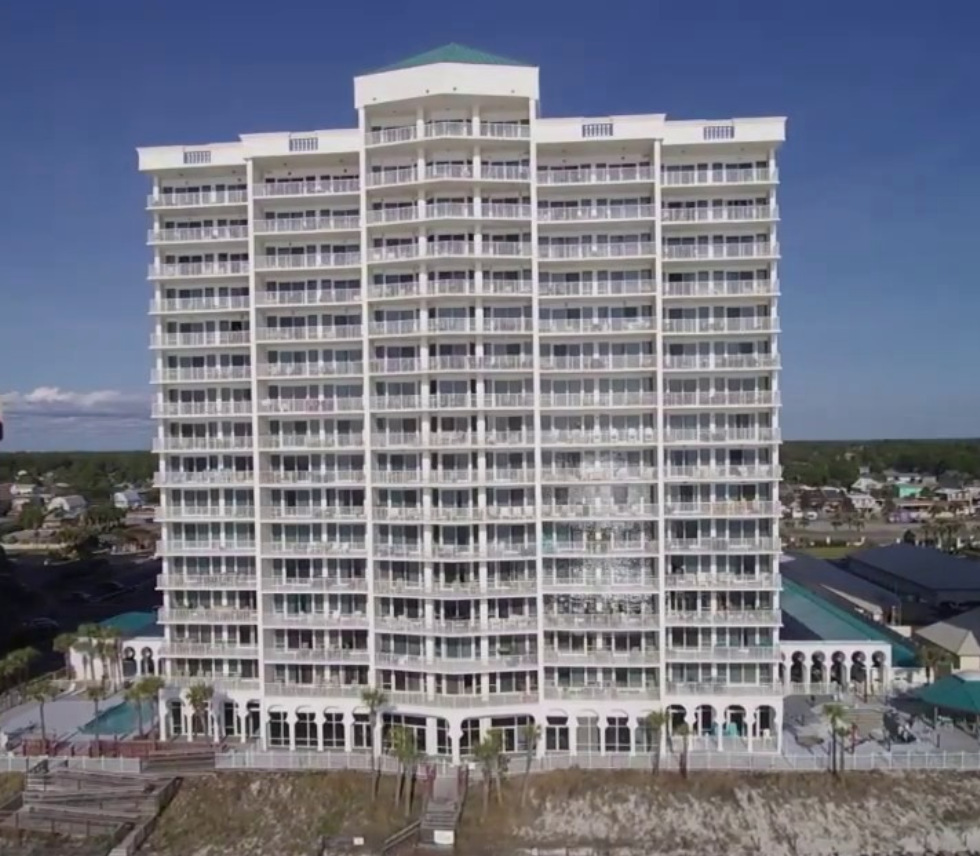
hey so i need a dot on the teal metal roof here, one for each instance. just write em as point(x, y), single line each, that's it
point(959, 692)
point(828, 622)
point(452, 53)
point(130, 623)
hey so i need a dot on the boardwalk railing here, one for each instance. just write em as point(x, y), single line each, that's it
point(21, 764)
point(697, 761)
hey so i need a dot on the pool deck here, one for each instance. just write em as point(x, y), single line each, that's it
point(64, 716)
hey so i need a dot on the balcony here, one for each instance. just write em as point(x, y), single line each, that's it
point(203, 478)
point(312, 477)
point(323, 187)
point(576, 400)
point(330, 297)
point(720, 251)
point(207, 234)
point(311, 442)
point(594, 214)
point(203, 374)
point(725, 618)
point(461, 129)
point(308, 261)
point(393, 177)
point(282, 689)
point(390, 136)
point(181, 306)
point(309, 370)
point(718, 654)
point(724, 544)
point(708, 399)
point(638, 287)
point(203, 444)
point(314, 548)
point(741, 472)
point(191, 409)
point(587, 511)
point(280, 406)
point(197, 199)
point(587, 583)
point(752, 288)
point(719, 214)
point(281, 654)
point(204, 582)
point(488, 701)
point(706, 177)
point(624, 659)
point(455, 627)
point(722, 582)
point(337, 332)
point(183, 648)
point(708, 326)
point(722, 362)
point(280, 584)
point(178, 547)
point(203, 339)
point(452, 590)
point(220, 683)
point(187, 270)
point(598, 363)
point(203, 513)
point(494, 172)
point(579, 252)
point(457, 665)
point(291, 225)
point(600, 621)
point(598, 437)
point(733, 690)
point(637, 547)
point(207, 615)
point(313, 513)
point(598, 175)
point(721, 436)
point(744, 508)
point(317, 620)
point(581, 326)
point(592, 473)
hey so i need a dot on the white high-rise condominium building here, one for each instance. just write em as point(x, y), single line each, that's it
point(476, 407)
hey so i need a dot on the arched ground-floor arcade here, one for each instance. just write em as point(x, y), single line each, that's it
point(729, 724)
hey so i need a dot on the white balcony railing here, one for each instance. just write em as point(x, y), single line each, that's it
point(711, 398)
point(586, 213)
point(312, 442)
point(212, 303)
point(722, 288)
point(685, 177)
point(201, 408)
point(599, 437)
point(196, 199)
point(719, 214)
point(562, 400)
point(197, 269)
point(308, 334)
point(735, 508)
point(308, 261)
point(741, 472)
point(205, 477)
point(202, 374)
point(203, 444)
point(612, 250)
point(721, 362)
point(308, 298)
point(722, 435)
point(321, 187)
point(598, 363)
point(707, 326)
point(201, 339)
point(280, 225)
point(309, 369)
point(638, 286)
point(720, 250)
point(598, 175)
point(197, 235)
point(597, 325)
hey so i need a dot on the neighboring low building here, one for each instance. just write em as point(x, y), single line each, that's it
point(864, 503)
point(919, 574)
point(958, 636)
point(69, 506)
point(840, 586)
point(127, 500)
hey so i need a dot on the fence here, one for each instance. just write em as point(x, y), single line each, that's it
point(21, 764)
point(697, 762)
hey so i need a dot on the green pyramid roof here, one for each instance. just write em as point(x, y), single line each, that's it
point(452, 53)
point(955, 692)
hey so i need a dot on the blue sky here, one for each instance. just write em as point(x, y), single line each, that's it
point(879, 200)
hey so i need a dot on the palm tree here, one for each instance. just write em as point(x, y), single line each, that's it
point(41, 691)
point(401, 740)
point(933, 660)
point(199, 698)
point(150, 688)
point(489, 754)
point(531, 732)
point(18, 664)
point(683, 730)
point(63, 644)
point(837, 715)
point(374, 699)
point(135, 694)
point(655, 723)
point(32, 518)
point(97, 693)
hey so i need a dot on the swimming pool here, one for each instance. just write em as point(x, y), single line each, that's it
point(119, 720)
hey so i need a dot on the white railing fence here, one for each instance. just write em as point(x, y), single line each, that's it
point(21, 764)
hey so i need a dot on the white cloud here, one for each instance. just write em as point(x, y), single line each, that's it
point(52, 402)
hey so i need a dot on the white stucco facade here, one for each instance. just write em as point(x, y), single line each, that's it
point(475, 406)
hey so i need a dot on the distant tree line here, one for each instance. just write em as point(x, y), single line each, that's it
point(840, 463)
point(94, 474)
